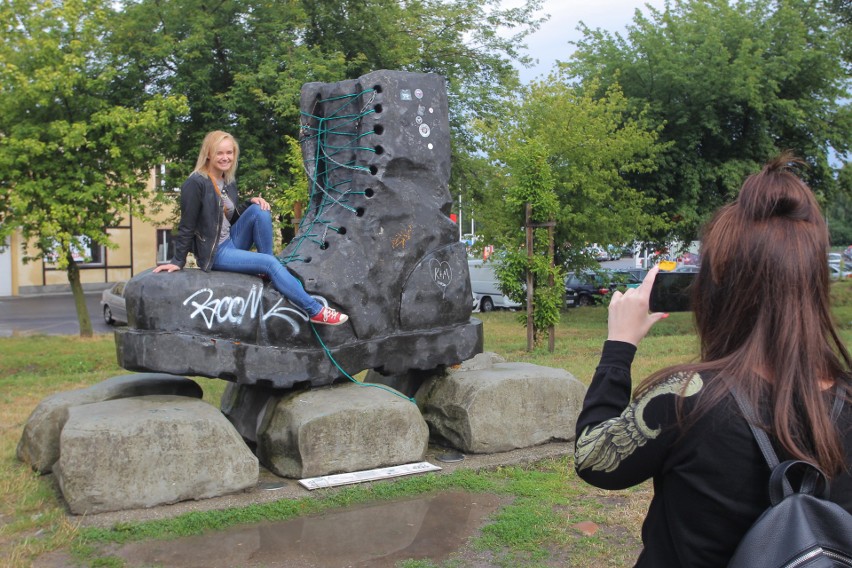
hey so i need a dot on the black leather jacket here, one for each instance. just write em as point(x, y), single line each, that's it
point(201, 219)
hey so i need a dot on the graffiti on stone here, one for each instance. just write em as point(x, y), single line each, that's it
point(234, 309)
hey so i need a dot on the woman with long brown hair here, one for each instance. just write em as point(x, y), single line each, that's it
point(761, 309)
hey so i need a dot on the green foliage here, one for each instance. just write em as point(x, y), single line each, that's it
point(566, 154)
point(74, 158)
point(511, 270)
point(731, 84)
point(590, 146)
point(242, 63)
point(532, 186)
point(295, 188)
point(532, 180)
point(838, 212)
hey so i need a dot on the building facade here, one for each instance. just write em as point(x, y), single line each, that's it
point(140, 245)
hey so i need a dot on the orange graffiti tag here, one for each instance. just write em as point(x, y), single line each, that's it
point(401, 238)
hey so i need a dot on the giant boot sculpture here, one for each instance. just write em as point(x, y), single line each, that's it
point(376, 243)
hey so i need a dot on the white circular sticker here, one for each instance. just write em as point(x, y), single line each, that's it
point(418, 93)
point(418, 119)
point(424, 130)
point(429, 145)
point(431, 110)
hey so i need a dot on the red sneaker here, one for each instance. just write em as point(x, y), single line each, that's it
point(329, 316)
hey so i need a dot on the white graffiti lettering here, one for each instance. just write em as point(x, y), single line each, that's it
point(234, 309)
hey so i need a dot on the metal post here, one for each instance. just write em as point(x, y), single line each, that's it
point(551, 330)
point(529, 235)
point(460, 219)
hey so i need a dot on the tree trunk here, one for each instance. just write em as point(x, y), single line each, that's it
point(530, 320)
point(79, 298)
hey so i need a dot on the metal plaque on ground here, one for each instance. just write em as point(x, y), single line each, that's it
point(312, 483)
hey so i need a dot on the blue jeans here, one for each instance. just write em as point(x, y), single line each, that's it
point(254, 227)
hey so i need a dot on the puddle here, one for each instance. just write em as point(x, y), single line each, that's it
point(375, 536)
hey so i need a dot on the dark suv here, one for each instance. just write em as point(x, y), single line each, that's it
point(588, 288)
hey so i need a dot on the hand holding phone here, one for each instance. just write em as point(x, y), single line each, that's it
point(629, 319)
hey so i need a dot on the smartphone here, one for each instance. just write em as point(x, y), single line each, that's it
point(671, 291)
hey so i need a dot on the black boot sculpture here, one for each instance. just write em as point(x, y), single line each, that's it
point(376, 243)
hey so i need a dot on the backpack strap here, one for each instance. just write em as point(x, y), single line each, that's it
point(751, 418)
point(760, 435)
point(814, 481)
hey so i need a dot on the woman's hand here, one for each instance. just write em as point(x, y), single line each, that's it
point(259, 200)
point(629, 318)
point(167, 268)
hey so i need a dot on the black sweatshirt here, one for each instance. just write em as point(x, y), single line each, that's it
point(710, 485)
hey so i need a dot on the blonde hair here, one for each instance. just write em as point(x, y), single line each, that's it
point(208, 150)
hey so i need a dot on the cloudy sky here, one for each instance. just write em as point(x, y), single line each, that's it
point(550, 42)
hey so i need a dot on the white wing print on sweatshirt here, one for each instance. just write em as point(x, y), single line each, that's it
point(605, 446)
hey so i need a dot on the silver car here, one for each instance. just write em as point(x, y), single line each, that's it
point(112, 304)
point(835, 273)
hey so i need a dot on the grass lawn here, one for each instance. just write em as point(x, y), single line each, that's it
point(536, 529)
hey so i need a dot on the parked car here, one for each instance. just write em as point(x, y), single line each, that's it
point(689, 258)
point(596, 251)
point(834, 258)
point(614, 252)
point(589, 288)
point(113, 305)
point(637, 273)
point(835, 273)
point(486, 288)
point(847, 254)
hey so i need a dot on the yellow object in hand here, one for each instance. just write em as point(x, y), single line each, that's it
point(667, 265)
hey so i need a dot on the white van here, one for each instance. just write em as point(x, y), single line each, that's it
point(486, 287)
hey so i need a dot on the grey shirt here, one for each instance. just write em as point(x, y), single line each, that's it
point(229, 214)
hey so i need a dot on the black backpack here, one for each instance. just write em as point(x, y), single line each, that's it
point(801, 528)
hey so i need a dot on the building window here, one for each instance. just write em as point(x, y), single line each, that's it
point(165, 246)
point(85, 252)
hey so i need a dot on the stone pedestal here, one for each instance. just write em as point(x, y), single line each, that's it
point(150, 450)
point(488, 407)
point(39, 444)
point(340, 429)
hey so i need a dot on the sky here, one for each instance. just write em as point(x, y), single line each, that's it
point(550, 42)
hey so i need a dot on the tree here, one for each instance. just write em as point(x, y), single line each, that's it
point(732, 83)
point(838, 212)
point(530, 271)
point(73, 160)
point(593, 145)
point(242, 63)
point(567, 155)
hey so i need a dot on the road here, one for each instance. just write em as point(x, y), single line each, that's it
point(48, 314)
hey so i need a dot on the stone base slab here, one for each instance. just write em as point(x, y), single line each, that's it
point(340, 429)
point(39, 443)
point(489, 407)
point(150, 450)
